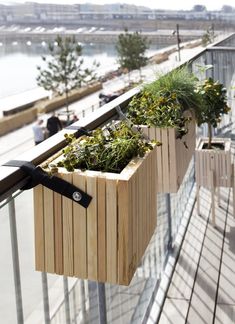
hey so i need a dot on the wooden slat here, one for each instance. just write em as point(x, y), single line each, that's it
point(68, 250)
point(175, 165)
point(92, 228)
point(49, 230)
point(140, 213)
point(80, 230)
point(154, 191)
point(124, 231)
point(39, 229)
point(134, 203)
point(101, 218)
point(174, 311)
point(145, 210)
point(204, 293)
point(148, 198)
point(159, 162)
point(59, 265)
point(111, 230)
point(225, 314)
point(165, 160)
point(184, 275)
point(217, 166)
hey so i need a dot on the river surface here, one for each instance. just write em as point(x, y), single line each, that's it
point(19, 61)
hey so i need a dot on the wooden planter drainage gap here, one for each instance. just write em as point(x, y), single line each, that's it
point(106, 241)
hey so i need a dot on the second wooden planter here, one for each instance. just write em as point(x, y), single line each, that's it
point(106, 241)
point(173, 156)
point(216, 160)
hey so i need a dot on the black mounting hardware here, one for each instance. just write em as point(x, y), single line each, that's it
point(39, 176)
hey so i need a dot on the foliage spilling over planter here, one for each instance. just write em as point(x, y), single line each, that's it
point(106, 241)
point(164, 110)
point(108, 150)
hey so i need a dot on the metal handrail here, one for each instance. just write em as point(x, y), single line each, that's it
point(12, 178)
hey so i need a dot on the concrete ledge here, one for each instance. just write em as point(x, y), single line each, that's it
point(10, 123)
point(159, 58)
point(46, 106)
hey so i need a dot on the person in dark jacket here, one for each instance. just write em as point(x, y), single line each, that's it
point(53, 125)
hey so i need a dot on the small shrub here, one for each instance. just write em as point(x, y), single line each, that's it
point(107, 149)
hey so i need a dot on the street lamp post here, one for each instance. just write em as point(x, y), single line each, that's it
point(176, 32)
point(178, 40)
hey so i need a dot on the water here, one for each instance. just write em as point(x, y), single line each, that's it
point(18, 62)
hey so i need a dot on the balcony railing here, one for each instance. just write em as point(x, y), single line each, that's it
point(28, 296)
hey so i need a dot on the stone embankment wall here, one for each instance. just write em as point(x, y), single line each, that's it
point(108, 37)
point(10, 123)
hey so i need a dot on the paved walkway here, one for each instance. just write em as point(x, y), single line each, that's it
point(14, 143)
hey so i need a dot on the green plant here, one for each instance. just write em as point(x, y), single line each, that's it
point(131, 48)
point(180, 82)
point(107, 149)
point(163, 103)
point(213, 106)
point(208, 37)
point(64, 71)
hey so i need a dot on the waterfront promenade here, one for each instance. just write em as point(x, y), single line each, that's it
point(16, 142)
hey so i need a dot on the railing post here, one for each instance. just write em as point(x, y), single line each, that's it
point(82, 300)
point(15, 261)
point(168, 209)
point(66, 300)
point(45, 298)
point(102, 303)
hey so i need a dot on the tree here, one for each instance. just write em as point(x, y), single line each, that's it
point(213, 105)
point(131, 50)
point(227, 9)
point(64, 71)
point(209, 36)
point(199, 8)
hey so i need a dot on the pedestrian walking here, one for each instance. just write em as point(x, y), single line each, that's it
point(38, 131)
point(53, 125)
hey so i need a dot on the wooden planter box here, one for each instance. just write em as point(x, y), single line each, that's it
point(173, 157)
point(218, 161)
point(106, 241)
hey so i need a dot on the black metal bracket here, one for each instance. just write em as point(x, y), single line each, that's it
point(80, 130)
point(39, 176)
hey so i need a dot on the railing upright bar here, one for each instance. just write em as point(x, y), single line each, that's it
point(66, 300)
point(45, 299)
point(15, 261)
point(102, 303)
point(82, 300)
point(169, 221)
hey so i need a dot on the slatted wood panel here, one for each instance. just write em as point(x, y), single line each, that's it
point(106, 241)
point(173, 156)
point(202, 289)
point(218, 161)
point(203, 297)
